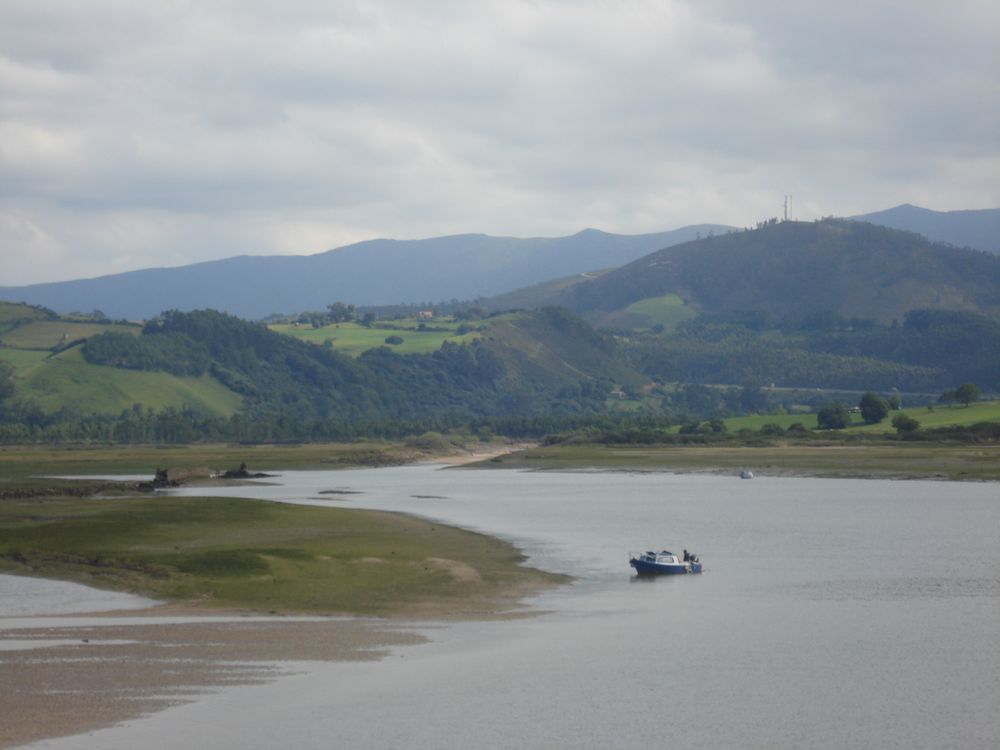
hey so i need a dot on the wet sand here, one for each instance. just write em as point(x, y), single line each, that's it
point(58, 680)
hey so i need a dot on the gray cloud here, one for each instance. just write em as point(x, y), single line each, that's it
point(139, 134)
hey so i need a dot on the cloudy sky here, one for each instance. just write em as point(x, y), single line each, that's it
point(137, 134)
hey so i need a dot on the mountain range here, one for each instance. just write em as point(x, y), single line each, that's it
point(367, 273)
point(386, 272)
point(979, 230)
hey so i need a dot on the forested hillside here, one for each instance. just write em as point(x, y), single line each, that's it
point(930, 351)
point(534, 367)
point(849, 269)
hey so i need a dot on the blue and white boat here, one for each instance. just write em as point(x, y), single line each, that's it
point(663, 563)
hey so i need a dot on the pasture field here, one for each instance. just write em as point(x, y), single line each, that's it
point(49, 334)
point(11, 311)
point(939, 416)
point(22, 360)
point(68, 380)
point(353, 338)
point(668, 310)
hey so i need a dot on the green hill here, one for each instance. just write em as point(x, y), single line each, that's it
point(51, 374)
point(849, 269)
point(50, 335)
point(66, 380)
point(518, 365)
point(16, 312)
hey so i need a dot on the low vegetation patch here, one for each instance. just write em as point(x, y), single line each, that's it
point(264, 556)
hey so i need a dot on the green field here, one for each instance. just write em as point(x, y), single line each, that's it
point(22, 360)
point(68, 380)
point(668, 310)
point(50, 334)
point(353, 338)
point(939, 416)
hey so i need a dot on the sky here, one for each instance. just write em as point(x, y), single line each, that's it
point(137, 134)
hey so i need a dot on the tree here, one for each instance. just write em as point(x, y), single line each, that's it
point(874, 408)
point(834, 416)
point(752, 398)
point(967, 393)
point(340, 313)
point(6, 380)
point(905, 424)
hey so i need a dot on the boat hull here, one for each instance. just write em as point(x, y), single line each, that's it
point(644, 568)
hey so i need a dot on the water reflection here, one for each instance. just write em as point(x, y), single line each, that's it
point(821, 621)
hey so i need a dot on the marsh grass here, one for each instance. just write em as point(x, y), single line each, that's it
point(263, 556)
point(244, 554)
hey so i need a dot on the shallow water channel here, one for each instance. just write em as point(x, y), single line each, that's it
point(832, 614)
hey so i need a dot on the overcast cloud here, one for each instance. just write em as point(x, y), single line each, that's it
point(138, 134)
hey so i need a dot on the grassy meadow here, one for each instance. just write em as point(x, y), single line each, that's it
point(354, 338)
point(67, 379)
point(668, 310)
point(929, 418)
point(50, 334)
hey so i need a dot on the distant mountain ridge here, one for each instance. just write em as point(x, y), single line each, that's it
point(978, 229)
point(367, 273)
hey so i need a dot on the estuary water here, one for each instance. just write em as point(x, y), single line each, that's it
point(832, 614)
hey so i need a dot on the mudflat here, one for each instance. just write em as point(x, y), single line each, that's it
point(59, 680)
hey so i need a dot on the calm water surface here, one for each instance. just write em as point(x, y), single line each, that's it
point(832, 614)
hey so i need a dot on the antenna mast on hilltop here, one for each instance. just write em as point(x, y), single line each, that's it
point(788, 208)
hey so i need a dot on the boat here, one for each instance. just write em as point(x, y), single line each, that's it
point(746, 474)
point(663, 563)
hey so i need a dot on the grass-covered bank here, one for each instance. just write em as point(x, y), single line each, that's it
point(263, 556)
point(901, 460)
point(245, 554)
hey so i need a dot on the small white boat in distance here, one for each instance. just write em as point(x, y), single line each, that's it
point(746, 474)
